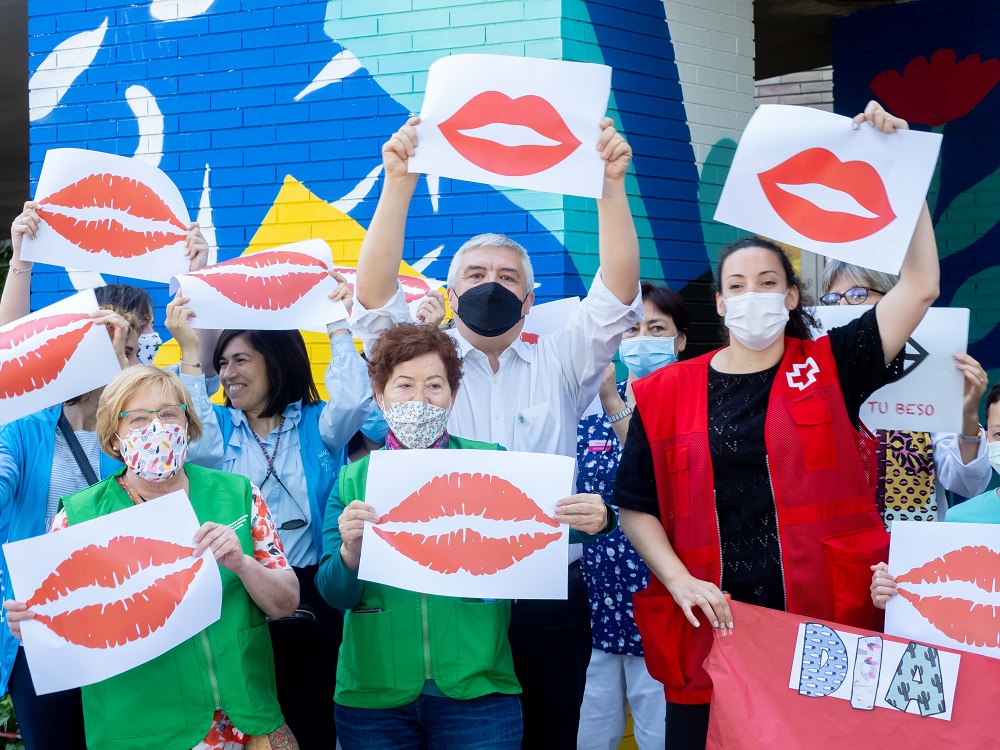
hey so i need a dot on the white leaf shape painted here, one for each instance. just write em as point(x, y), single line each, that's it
point(342, 65)
point(150, 121)
point(434, 189)
point(205, 218)
point(421, 265)
point(350, 201)
point(61, 67)
point(178, 10)
point(81, 279)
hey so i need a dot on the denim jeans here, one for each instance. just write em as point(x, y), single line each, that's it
point(492, 722)
point(47, 721)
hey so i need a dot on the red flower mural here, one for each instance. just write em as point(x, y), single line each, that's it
point(939, 90)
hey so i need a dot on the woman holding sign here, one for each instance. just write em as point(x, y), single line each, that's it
point(275, 430)
point(216, 688)
point(418, 670)
point(744, 472)
point(915, 468)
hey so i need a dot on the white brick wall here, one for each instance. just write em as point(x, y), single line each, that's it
point(813, 88)
point(713, 45)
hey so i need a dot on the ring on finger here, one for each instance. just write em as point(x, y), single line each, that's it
point(701, 596)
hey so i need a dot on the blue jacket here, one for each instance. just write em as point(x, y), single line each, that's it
point(26, 449)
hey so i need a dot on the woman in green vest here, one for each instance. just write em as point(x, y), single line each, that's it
point(417, 670)
point(216, 689)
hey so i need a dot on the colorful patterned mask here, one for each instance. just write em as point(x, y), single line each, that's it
point(156, 452)
point(148, 344)
point(416, 424)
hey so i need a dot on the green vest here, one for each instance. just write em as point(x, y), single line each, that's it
point(169, 702)
point(395, 640)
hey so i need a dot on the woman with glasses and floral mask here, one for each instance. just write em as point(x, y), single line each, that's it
point(189, 697)
point(418, 670)
point(275, 430)
point(745, 470)
point(915, 468)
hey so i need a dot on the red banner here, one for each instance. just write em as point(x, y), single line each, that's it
point(784, 681)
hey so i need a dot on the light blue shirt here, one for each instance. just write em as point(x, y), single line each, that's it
point(983, 508)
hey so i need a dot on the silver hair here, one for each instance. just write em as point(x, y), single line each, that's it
point(877, 281)
point(493, 240)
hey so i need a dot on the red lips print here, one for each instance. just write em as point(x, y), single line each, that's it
point(40, 366)
point(277, 291)
point(467, 496)
point(492, 107)
point(414, 287)
point(126, 620)
point(960, 619)
point(819, 166)
point(71, 213)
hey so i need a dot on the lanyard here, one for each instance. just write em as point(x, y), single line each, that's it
point(270, 457)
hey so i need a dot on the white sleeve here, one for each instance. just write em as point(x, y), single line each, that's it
point(368, 324)
point(967, 480)
point(588, 343)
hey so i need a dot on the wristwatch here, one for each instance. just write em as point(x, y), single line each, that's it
point(971, 438)
point(620, 415)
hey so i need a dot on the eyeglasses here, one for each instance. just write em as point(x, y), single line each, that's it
point(295, 523)
point(854, 296)
point(140, 419)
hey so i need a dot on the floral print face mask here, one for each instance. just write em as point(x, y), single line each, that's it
point(156, 452)
point(416, 424)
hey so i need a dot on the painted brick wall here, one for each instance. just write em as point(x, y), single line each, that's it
point(809, 88)
point(940, 69)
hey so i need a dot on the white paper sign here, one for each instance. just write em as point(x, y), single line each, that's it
point(284, 288)
point(806, 177)
point(415, 288)
point(928, 398)
point(946, 582)
point(52, 355)
point(111, 214)
point(865, 670)
point(112, 593)
point(471, 523)
point(548, 317)
point(516, 122)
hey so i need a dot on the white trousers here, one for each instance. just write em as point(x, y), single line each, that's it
point(615, 681)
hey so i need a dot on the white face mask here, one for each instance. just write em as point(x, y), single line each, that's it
point(995, 456)
point(148, 344)
point(416, 424)
point(756, 319)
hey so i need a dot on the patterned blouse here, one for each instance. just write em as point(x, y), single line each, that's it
point(267, 550)
point(611, 567)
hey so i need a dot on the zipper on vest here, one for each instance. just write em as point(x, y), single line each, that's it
point(777, 526)
point(718, 532)
point(426, 631)
point(210, 663)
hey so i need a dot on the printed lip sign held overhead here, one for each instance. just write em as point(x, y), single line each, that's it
point(238, 281)
point(35, 361)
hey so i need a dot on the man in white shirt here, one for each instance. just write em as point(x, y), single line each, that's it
point(527, 397)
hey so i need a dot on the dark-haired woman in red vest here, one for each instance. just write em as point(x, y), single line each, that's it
point(746, 471)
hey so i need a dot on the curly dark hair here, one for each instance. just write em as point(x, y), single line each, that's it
point(407, 341)
point(801, 322)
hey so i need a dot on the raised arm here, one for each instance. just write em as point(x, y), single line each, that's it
point(382, 248)
point(902, 309)
point(15, 302)
point(618, 242)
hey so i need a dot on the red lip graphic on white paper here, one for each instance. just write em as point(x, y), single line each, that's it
point(126, 620)
point(41, 365)
point(818, 166)
point(466, 496)
point(273, 292)
point(414, 287)
point(113, 214)
point(493, 107)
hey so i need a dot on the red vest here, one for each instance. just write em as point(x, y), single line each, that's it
point(823, 477)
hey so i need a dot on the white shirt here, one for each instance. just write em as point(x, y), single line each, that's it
point(534, 402)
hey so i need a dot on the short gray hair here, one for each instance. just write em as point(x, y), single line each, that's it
point(493, 240)
point(877, 281)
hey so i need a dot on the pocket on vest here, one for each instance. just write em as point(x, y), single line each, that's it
point(258, 667)
point(848, 558)
point(814, 425)
point(680, 479)
point(131, 696)
point(367, 658)
point(481, 638)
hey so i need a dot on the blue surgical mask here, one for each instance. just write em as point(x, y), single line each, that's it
point(643, 355)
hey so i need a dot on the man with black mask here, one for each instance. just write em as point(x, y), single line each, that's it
point(527, 397)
